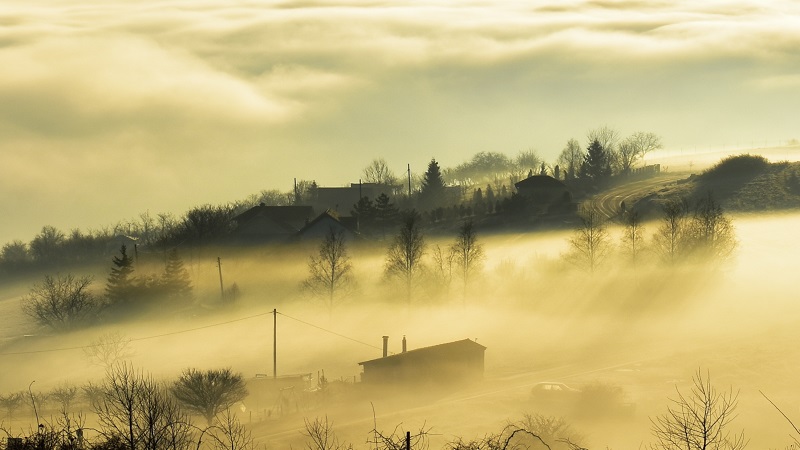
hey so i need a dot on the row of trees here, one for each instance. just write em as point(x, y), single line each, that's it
point(687, 232)
point(137, 412)
point(331, 270)
point(65, 302)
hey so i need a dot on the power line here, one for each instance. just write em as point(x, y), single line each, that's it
point(329, 331)
point(189, 330)
point(144, 338)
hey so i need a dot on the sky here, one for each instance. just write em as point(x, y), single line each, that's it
point(109, 109)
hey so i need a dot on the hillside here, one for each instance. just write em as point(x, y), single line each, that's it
point(743, 183)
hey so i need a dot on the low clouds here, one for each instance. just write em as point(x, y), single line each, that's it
point(252, 94)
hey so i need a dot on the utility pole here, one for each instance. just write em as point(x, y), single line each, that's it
point(221, 288)
point(274, 344)
point(409, 181)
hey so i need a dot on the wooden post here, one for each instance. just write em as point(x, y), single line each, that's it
point(274, 344)
point(408, 440)
point(221, 288)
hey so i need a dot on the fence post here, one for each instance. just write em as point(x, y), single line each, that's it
point(408, 440)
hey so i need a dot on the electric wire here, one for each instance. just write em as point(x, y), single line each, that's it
point(188, 330)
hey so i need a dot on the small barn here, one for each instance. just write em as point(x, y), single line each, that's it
point(449, 363)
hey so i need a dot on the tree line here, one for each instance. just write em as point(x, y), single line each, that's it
point(486, 180)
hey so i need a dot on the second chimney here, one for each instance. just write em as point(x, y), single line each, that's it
point(385, 346)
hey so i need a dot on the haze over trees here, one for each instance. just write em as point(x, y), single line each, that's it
point(404, 256)
point(330, 270)
point(208, 393)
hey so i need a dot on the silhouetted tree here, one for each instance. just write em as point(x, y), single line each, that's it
point(138, 412)
point(64, 395)
point(176, 282)
point(670, 239)
point(386, 212)
point(571, 157)
point(711, 231)
point(14, 256)
point(330, 271)
point(364, 212)
point(46, 246)
point(526, 161)
point(206, 223)
point(468, 253)
point(432, 192)
point(119, 287)
point(404, 258)
point(590, 243)
point(209, 392)
point(378, 171)
point(699, 420)
point(596, 164)
point(108, 350)
point(60, 302)
point(635, 147)
point(632, 235)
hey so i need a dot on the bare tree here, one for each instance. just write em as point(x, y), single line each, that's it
point(404, 258)
point(231, 434)
point(632, 235)
point(330, 271)
point(443, 262)
point(11, 402)
point(711, 232)
point(137, 411)
point(322, 436)
point(468, 253)
point(378, 171)
point(210, 392)
point(64, 394)
point(635, 147)
point(607, 137)
point(670, 239)
point(60, 302)
point(699, 420)
point(590, 243)
point(571, 158)
point(109, 349)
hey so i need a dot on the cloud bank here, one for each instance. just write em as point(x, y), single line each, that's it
point(109, 109)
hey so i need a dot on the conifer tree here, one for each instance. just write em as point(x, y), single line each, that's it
point(176, 280)
point(119, 287)
point(432, 192)
point(596, 163)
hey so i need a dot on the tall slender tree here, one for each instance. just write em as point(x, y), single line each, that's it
point(330, 271)
point(119, 286)
point(596, 163)
point(590, 244)
point(468, 254)
point(404, 258)
point(176, 281)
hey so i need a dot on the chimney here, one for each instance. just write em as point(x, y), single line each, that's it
point(404, 344)
point(385, 346)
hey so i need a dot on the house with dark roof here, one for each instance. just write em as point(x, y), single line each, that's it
point(545, 194)
point(450, 363)
point(318, 228)
point(342, 199)
point(264, 223)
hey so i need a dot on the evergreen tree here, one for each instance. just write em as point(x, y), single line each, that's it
point(596, 163)
point(364, 212)
point(176, 281)
point(432, 192)
point(119, 287)
point(386, 213)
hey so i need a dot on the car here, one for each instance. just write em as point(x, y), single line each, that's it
point(553, 389)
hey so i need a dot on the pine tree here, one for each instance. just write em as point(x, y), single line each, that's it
point(364, 212)
point(119, 287)
point(386, 214)
point(432, 192)
point(596, 163)
point(176, 281)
